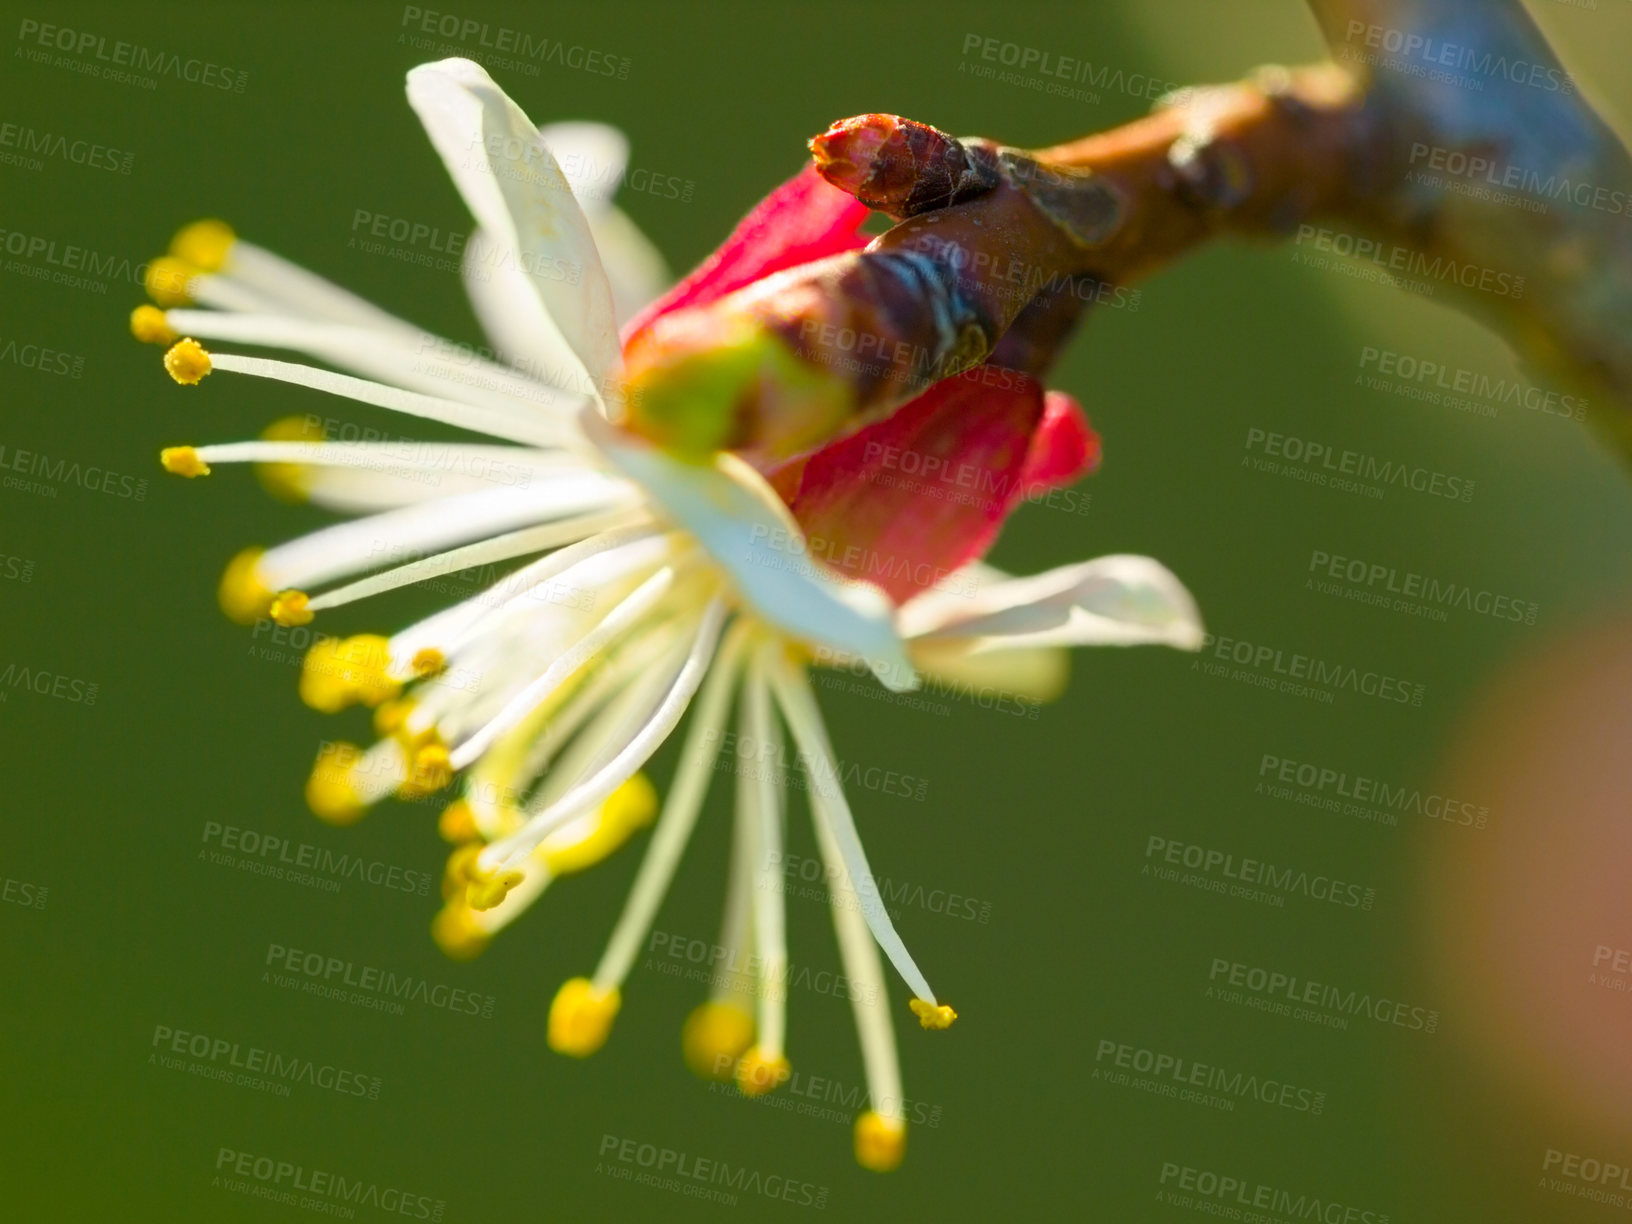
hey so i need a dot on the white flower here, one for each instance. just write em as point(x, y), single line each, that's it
point(654, 586)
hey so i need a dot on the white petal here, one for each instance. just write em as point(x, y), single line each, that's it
point(1110, 601)
point(741, 523)
point(592, 156)
point(514, 316)
point(519, 195)
point(634, 267)
point(595, 157)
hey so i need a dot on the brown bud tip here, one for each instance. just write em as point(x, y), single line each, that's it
point(900, 167)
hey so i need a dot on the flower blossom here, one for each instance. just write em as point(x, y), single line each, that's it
point(647, 584)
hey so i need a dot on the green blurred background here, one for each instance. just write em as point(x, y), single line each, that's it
point(1045, 823)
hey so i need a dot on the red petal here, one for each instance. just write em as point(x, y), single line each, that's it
point(803, 220)
point(1064, 449)
point(907, 500)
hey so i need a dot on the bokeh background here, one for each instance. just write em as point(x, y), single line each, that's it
point(117, 922)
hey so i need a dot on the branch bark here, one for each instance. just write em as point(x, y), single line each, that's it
point(1398, 140)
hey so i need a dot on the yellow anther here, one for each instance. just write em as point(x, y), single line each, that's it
point(187, 362)
point(626, 809)
point(204, 244)
point(340, 673)
point(329, 791)
point(933, 1015)
point(757, 1074)
point(243, 596)
point(429, 771)
point(290, 482)
point(166, 281)
point(428, 661)
point(183, 461)
point(581, 1017)
point(461, 872)
point(714, 1037)
point(457, 823)
point(880, 1142)
point(148, 324)
point(391, 716)
point(489, 891)
point(455, 931)
point(364, 660)
point(290, 609)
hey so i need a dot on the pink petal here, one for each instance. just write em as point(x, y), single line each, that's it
point(1064, 449)
point(803, 220)
point(907, 500)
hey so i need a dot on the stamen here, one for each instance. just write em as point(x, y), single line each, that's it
point(243, 594)
point(455, 931)
point(330, 792)
point(514, 426)
point(623, 617)
point(486, 893)
point(632, 755)
point(183, 461)
point(485, 552)
point(204, 244)
point(680, 809)
point(880, 1135)
point(168, 281)
point(291, 608)
point(759, 791)
point(881, 1142)
point(758, 1072)
point(828, 803)
point(715, 1037)
point(933, 1015)
point(187, 362)
point(629, 808)
point(147, 324)
point(581, 1017)
point(457, 823)
point(337, 673)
